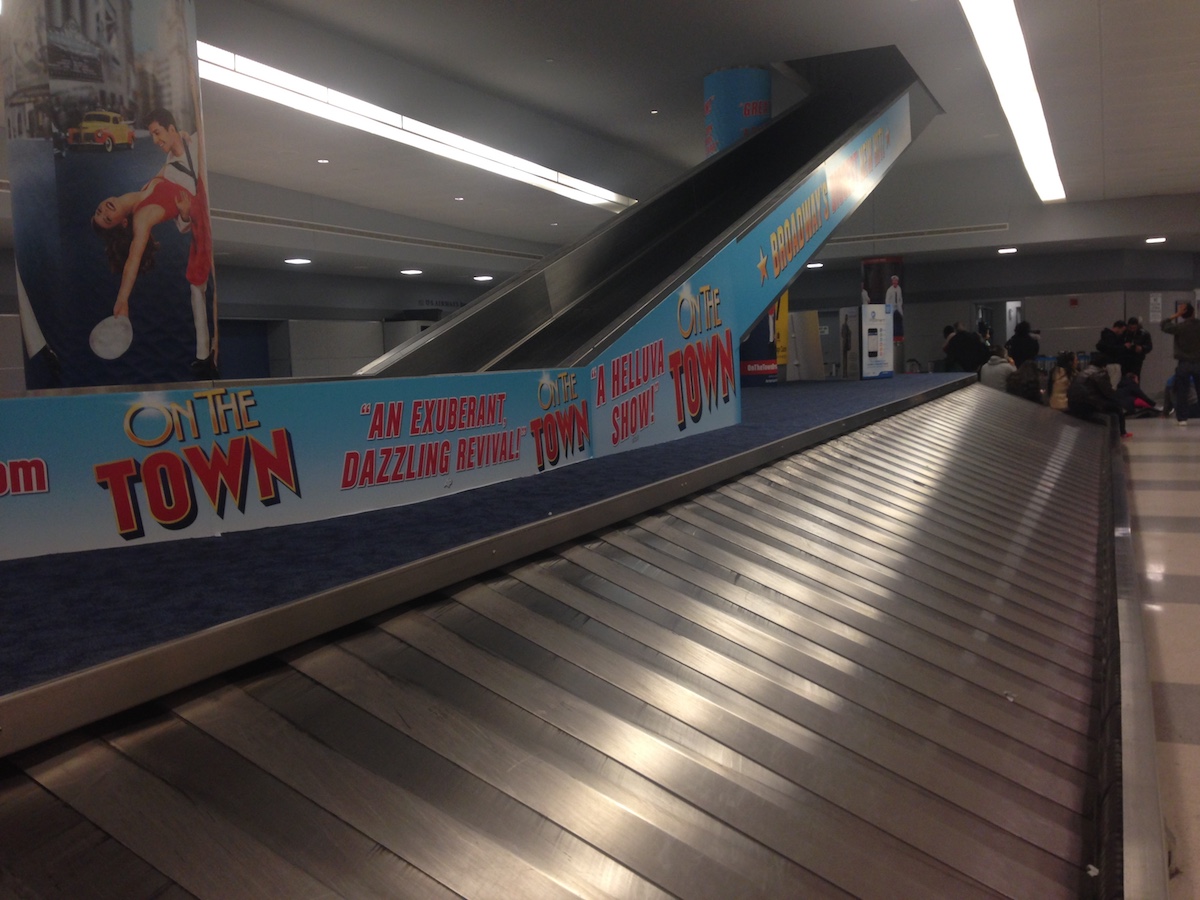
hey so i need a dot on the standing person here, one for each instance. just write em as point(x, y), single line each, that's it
point(895, 297)
point(1138, 344)
point(1186, 330)
point(1113, 345)
point(965, 350)
point(184, 167)
point(1023, 345)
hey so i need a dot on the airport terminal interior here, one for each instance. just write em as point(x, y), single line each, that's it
point(895, 636)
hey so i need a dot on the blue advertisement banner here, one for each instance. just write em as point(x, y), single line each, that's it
point(697, 327)
point(737, 102)
point(108, 470)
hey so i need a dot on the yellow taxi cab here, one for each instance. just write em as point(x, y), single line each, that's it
point(101, 128)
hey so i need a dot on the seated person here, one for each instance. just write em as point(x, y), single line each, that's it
point(1133, 399)
point(994, 373)
point(1066, 367)
point(1091, 393)
point(1026, 382)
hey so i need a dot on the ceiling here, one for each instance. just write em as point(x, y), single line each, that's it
point(611, 93)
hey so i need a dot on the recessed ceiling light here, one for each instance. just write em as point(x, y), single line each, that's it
point(1156, 240)
point(483, 277)
point(323, 161)
point(1006, 250)
point(411, 272)
point(297, 261)
point(460, 199)
point(815, 265)
point(654, 112)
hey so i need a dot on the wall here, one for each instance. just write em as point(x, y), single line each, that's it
point(12, 356)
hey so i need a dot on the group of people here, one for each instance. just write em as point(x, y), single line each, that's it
point(1110, 382)
point(968, 351)
point(176, 195)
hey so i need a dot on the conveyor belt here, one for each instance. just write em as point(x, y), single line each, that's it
point(866, 670)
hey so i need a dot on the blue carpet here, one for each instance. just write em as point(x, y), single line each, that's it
point(65, 612)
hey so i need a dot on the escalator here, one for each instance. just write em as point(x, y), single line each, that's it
point(865, 670)
point(567, 309)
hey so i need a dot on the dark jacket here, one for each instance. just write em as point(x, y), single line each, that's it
point(966, 352)
point(1187, 337)
point(1128, 392)
point(1111, 345)
point(1022, 347)
point(1140, 343)
point(1091, 391)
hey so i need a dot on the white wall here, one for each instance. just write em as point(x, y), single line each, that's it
point(320, 348)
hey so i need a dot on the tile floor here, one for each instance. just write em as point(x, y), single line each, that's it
point(1164, 481)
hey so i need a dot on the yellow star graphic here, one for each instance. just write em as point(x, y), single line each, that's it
point(762, 266)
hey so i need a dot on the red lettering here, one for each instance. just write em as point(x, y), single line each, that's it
point(118, 478)
point(274, 466)
point(221, 475)
point(350, 469)
point(169, 492)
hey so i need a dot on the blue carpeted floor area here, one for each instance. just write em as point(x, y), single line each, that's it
point(65, 612)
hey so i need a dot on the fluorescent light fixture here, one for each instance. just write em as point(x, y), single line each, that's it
point(1006, 250)
point(272, 84)
point(1156, 240)
point(815, 265)
point(1002, 44)
point(411, 272)
point(323, 161)
point(297, 261)
point(483, 277)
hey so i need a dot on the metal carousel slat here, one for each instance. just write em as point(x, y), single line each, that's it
point(862, 671)
point(1035, 561)
point(775, 487)
point(900, 570)
point(734, 622)
point(954, 494)
point(826, 843)
point(288, 823)
point(195, 847)
point(994, 667)
point(48, 849)
point(827, 715)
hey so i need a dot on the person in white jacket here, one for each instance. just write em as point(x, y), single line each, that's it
point(994, 373)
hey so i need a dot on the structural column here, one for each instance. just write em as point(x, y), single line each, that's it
point(109, 192)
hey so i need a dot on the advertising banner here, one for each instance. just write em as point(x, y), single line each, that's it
point(691, 339)
point(877, 355)
point(107, 470)
point(111, 226)
point(737, 102)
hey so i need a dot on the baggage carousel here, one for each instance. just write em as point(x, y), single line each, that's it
point(866, 668)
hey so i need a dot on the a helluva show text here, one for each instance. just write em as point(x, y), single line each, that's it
point(443, 451)
point(630, 384)
point(167, 476)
